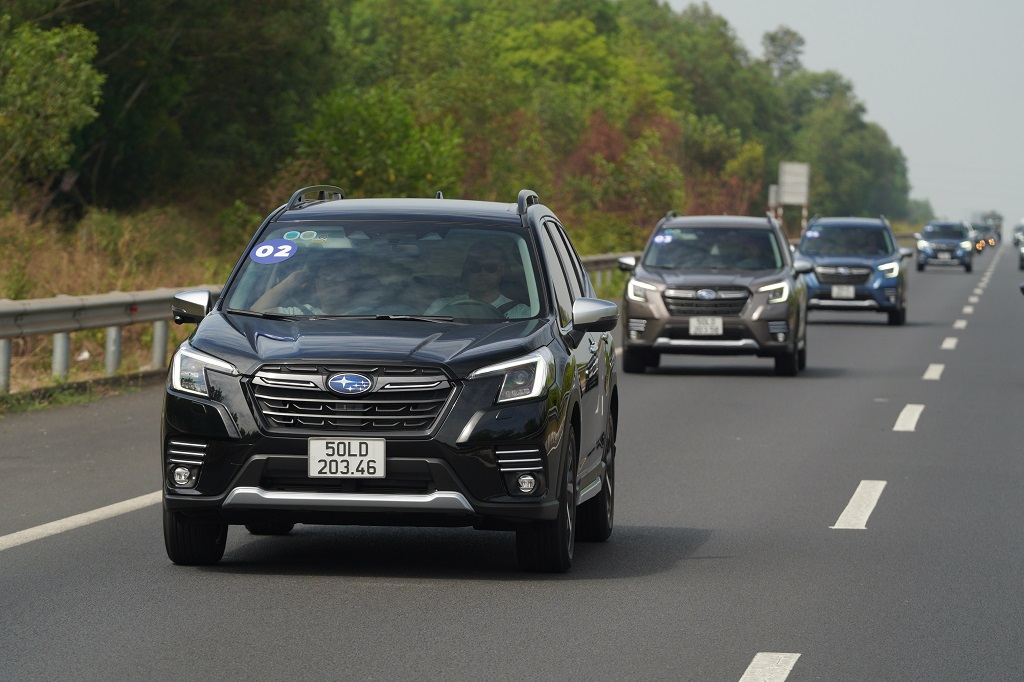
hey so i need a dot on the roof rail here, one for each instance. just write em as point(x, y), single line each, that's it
point(884, 219)
point(527, 198)
point(324, 193)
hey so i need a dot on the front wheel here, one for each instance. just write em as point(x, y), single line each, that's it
point(787, 364)
point(193, 542)
point(968, 267)
point(634, 360)
point(920, 267)
point(897, 317)
point(547, 546)
point(597, 515)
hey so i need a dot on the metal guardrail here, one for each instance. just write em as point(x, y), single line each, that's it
point(62, 315)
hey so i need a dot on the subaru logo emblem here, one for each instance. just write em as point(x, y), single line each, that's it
point(349, 384)
point(843, 270)
point(706, 294)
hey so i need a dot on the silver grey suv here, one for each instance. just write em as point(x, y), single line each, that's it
point(715, 285)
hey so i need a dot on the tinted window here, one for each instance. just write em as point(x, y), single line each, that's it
point(945, 231)
point(696, 248)
point(846, 240)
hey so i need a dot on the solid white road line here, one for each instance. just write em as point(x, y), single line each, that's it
point(770, 667)
point(960, 324)
point(968, 309)
point(949, 343)
point(907, 421)
point(933, 373)
point(77, 521)
point(855, 516)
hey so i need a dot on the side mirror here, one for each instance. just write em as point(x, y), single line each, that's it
point(594, 315)
point(906, 253)
point(1022, 287)
point(627, 263)
point(191, 306)
point(802, 266)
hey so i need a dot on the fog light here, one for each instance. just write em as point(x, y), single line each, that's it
point(184, 477)
point(780, 337)
point(527, 483)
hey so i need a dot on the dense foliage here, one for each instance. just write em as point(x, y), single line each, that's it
point(613, 110)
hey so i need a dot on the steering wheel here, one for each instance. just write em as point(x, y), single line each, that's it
point(470, 307)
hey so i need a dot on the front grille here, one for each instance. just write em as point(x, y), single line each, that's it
point(842, 275)
point(728, 302)
point(401, 399)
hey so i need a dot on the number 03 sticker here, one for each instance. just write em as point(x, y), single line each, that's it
point(273, 251)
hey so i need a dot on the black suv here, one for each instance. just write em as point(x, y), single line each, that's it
point(425, 362)
point(715, 285)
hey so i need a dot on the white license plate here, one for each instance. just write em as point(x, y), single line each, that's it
point(346, 458)
point(944, 255)
point(705, 326)
point(845, 291)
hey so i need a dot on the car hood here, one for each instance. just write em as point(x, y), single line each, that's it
point(249, 342)
point(711, 277)
point(855, 261)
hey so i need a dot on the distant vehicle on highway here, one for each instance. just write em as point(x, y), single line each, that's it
point(715, 285)
point(945, 243)
point(1018, 234)
point(858, 266)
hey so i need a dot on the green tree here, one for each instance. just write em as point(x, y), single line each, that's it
point(48, 90)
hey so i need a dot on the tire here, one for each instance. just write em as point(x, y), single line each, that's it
point(787, 364)
point(547, 546)
point(920, 267)
point(192, 542)
point(897, 317)
point(596, 517)
point(653, 358)
point(968, 267)
point(269, 527)
point(801, 358)
point(634, 360)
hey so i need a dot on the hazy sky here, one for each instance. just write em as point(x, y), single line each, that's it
point(944, 78)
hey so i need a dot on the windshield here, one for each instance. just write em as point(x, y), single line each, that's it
point(945, 231)
point(846, 240)
point(691, 248)
point(442, 271)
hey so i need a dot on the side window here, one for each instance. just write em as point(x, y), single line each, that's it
point(581, 272)
point(559, 280)
point(569, 268)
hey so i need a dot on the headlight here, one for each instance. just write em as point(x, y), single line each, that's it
point(890, 270)
point(524, 378)
point(965, 245)
point(189, 367)
point(777, 293)
point(922, 245)
point(637, 290)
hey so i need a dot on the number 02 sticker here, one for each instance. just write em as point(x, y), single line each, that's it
point(273, 251)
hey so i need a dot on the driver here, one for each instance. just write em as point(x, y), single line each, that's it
point(485, 265)
point(325, 286)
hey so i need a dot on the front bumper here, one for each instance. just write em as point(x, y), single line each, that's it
point(880, 294)
point(462, 472)
point(959, 256)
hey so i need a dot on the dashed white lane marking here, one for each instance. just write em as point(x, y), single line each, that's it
point(77, 521)
point(968, 310)
point(770, 667)
point(907, 421)
point(979, 291)
point(973, 299)
point(960, 324)
point(855, 516)
point(933, 373)
point(949, 343)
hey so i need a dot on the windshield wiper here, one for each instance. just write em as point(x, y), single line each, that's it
point(265, 316)
point(416, 318)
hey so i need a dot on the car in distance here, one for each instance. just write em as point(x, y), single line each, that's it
point(715, 285)
point(858, 266)
point(465, 376)
point(945, 243)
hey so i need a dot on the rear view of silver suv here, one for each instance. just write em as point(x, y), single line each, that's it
point(715, 285)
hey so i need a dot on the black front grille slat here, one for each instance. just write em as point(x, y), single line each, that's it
point(831, 275)
point(406, 400)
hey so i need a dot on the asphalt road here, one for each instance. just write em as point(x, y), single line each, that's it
point(768, 528)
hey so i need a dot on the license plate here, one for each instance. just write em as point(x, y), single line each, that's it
point(346, 458)
point(705, 326)
point(943, 255)
point(845, 291)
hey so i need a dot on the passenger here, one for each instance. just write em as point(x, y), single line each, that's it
point(485, 265)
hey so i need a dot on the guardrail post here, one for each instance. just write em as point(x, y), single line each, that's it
point(113, 351)
point(5, 365)
point(61, 353)
point(159, 344)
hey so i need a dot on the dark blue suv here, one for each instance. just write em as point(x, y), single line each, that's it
point(858, 265)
